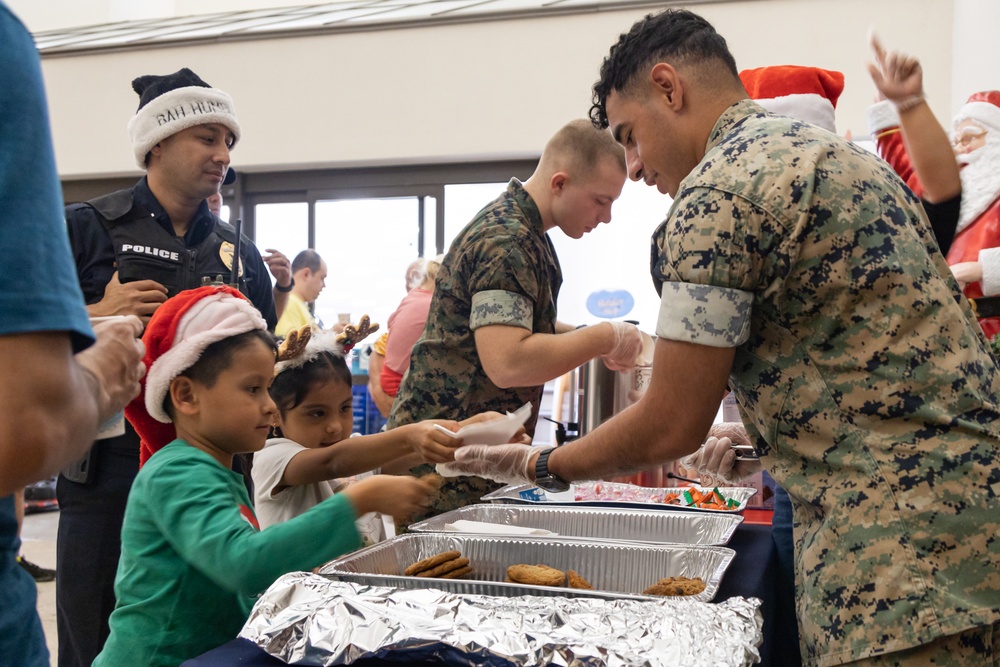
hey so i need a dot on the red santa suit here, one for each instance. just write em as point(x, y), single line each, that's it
point(977, 237)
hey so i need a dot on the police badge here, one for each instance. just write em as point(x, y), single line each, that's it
point(226, 255)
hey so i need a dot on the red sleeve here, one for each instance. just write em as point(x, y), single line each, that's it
point(891, 148)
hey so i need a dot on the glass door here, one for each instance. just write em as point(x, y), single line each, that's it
point(367, 245)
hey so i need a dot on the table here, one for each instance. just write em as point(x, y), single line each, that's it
point(753, 573)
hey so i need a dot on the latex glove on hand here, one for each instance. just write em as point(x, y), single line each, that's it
point(507, 464)
point(628, 343)
point(716, 462)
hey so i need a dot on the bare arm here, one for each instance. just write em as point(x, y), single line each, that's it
point(281, 269)
point(515, 357)
point(899, 79)
point(382, 400)
point(56, 400)
point(353, 456)
point(931, 153)
point(280, 301)
point(668, 422)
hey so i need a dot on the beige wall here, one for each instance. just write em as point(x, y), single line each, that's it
point(466, 91)
point(976, 64)
point(43, 15)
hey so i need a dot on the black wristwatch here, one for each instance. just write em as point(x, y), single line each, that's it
point(285, 290)
point(545, 479)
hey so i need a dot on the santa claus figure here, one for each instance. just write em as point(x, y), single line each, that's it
point(974, 255)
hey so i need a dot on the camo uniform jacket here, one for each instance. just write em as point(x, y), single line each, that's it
point(860, 370)
point(501, 269)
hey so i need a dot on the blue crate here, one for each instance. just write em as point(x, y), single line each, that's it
point(367, 418)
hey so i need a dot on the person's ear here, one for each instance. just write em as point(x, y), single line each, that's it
point(667, 84)
point(184, 395)
point(558, 182)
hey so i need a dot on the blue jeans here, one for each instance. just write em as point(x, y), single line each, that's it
point(786, 651)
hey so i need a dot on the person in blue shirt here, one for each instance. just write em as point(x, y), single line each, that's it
point(58, 383)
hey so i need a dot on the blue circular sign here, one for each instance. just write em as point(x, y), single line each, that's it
point(610, 304)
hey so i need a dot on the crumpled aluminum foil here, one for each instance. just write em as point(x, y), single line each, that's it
point(308, 618)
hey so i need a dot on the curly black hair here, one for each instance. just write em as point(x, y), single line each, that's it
point(674, 35)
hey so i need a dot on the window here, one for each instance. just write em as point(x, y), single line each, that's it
point(283, 227)
point(613, 257)
point(462, 202)
point(367, 245)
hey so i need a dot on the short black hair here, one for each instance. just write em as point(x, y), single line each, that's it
point(291, 386)
point(307, 259)
point(218, 357)
point(674, 35)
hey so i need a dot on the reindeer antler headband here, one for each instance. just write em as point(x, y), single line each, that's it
point(302, 345)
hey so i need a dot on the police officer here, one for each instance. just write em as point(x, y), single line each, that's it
point(800, 270)
point(134, 249)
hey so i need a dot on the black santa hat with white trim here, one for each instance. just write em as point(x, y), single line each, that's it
point(175, 102)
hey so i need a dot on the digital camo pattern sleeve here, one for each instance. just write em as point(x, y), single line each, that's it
point(705, 263)
point(500, 307)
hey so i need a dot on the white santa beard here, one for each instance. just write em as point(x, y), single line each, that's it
point(980, 180)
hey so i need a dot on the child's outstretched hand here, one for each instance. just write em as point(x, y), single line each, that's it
point(432, 444)
point(399, 496)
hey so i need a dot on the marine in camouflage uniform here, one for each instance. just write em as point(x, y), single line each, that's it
point(501, 269)
point(860, 371)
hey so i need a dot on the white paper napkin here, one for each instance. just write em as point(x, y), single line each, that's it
point(465, 526)
point(493, 432)
point(497, 431)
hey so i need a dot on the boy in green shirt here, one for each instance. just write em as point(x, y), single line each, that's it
point(193, 557)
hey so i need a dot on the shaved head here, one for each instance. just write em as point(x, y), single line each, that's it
point(578, 148)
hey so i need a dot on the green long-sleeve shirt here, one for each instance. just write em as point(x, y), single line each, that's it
point(193, 559)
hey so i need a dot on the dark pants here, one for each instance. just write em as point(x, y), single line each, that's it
point(88, 548)
point(786, 651)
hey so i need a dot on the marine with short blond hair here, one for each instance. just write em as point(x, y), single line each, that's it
point(491, 340)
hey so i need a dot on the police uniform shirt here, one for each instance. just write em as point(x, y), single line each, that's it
point(95, 256)
point(860, 371)
point(501, 269)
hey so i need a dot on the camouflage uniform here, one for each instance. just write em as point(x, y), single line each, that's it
point(859, 369)
point(501, 269)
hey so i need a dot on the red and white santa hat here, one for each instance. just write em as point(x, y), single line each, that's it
point(805, 93)
point(175, 339)
point(983, 108)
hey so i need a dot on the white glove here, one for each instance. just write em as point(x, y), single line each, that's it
point(507, 464)
point(716, 460)
point(627, 347)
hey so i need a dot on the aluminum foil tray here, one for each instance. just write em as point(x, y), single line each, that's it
point(622, 570)
point(305, 618)
point(613, 494)
point(598, 523)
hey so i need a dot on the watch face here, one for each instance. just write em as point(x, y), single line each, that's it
point(551, 483)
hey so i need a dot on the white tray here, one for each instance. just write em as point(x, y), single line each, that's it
point(619, 495)
point(613, 524)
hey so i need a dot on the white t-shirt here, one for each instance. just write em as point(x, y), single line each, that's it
point(268, 467)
